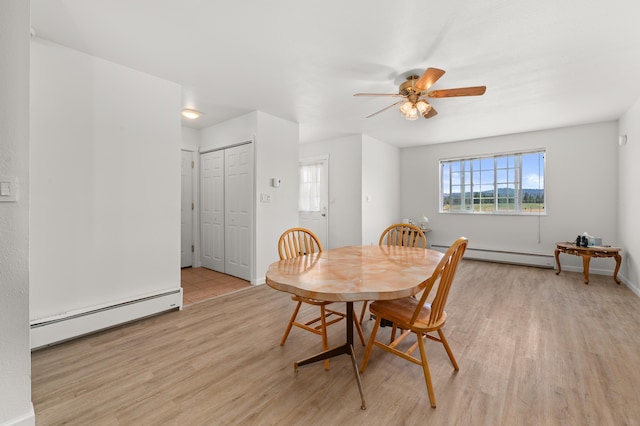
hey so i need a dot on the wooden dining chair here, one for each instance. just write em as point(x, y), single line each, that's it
point(415, 316)
point(399, 234)
point(296, 242)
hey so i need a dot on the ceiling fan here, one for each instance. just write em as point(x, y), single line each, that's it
point(415, 90)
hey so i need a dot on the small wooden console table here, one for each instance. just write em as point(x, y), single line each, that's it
point(587, 253)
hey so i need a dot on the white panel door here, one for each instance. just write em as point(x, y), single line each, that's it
point(313, 212)
point(238, 210)
point(186, 210)
point(212, 210)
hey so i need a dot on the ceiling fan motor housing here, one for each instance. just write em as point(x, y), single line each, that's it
point(409, 86)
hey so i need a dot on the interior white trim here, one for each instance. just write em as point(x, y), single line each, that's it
point(541, 260)
point(47, 331)
point(28, 419)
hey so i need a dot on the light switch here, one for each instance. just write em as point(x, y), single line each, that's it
point(8, 189)
point(5, 189)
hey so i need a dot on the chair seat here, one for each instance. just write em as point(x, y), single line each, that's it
point(400, 311)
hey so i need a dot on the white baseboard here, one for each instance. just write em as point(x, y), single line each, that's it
point(27, 419)
point(632, 286)
point(56, 329)
point(540, 260)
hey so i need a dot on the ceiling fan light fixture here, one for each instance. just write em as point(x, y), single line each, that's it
point(413, 114)
point(191, 114)
point(416, 90)
point(406, 108)
point(423, 107)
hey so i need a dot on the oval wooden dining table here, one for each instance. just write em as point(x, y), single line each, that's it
point(350, 274)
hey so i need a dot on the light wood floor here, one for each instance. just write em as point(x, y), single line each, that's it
point(533, 348)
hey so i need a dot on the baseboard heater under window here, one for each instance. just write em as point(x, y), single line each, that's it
point(505, 256)
point(47, 331)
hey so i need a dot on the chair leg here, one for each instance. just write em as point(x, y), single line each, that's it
point(425, 369)
point(325, 343)
point(364, 311)
point(394, 328)
point(288, 329)
point(448, 349)
point(358, 328)
point(372, 338)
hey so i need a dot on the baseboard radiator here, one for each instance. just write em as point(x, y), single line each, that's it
point(505, 256)
point(47, 331)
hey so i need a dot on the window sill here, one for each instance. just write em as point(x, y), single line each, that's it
point(494, 213)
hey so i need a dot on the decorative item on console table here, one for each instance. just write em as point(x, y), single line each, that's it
point(422, 224)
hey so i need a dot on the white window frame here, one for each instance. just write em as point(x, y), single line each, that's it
point(469, 171)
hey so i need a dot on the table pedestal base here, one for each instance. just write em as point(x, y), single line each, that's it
point(346, 349)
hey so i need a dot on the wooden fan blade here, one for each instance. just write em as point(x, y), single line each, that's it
point(432, 113)
point(430, 76)
point(378, 94)
point(462, 91)
point(385, 108)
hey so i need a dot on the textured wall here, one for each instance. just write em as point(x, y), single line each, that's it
point(15, 359)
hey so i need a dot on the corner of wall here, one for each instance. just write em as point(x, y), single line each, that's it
point(627, 223)
point(16, 407)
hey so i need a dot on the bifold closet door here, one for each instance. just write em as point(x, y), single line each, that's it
point(212, 210)
point(238, 210)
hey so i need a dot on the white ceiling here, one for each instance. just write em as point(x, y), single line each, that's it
point(546, 63)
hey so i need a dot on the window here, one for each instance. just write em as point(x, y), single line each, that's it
point(504, 183)
point(309, 194)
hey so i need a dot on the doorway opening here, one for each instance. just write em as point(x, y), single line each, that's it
point(217, 194)
point(199, 284)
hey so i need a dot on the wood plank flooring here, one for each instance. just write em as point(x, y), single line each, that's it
point(533, 348)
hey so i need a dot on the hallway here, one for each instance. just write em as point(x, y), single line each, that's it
point(200, 284)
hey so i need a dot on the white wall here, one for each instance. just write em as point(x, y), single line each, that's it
point(581, 181)
point(190, 139)
point(380, 188)
point(231, 132)
point(276, 155)
point(628, 201)
point(277, 145)
point(105, 182)
point(15, 358)
point(345, 187)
